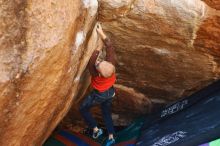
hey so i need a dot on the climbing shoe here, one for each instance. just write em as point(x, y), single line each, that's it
point(110, 142)
point(95, 135)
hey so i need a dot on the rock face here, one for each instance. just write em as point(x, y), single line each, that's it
point(213, 3)
point(166, 49)
point(44, 50)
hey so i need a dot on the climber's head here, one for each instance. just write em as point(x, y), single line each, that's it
point(105, 68)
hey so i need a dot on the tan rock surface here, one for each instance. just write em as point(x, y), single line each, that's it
point(213, 3)
point(166, 49)
point(156, 47)
point(43, 54)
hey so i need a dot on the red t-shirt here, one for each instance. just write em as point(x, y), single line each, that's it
point(102, 84)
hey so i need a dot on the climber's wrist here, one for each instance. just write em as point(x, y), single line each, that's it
point(103, 36)
point(99, 48)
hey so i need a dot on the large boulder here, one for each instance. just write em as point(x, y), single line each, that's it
point(166, 49)
point(44, 51)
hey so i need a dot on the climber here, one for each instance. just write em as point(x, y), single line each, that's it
point(103, 78)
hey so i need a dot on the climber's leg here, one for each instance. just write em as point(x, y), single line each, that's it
point(84, 110)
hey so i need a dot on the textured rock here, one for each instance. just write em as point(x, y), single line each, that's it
point(166, 49)
point(213, 3)
point(43, 54)
point(156, 47)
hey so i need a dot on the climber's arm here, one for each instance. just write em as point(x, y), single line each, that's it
point(110, 51)
point(91, 64)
